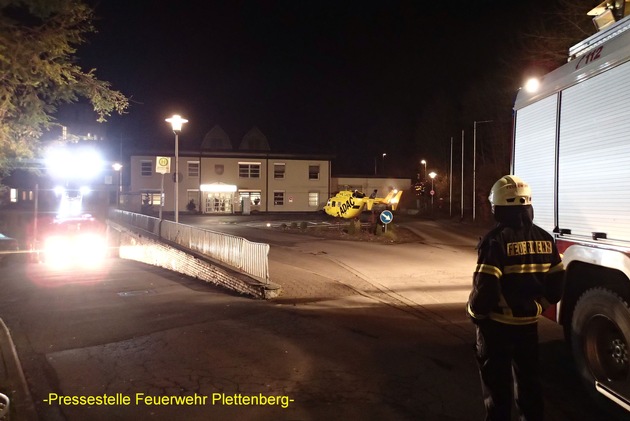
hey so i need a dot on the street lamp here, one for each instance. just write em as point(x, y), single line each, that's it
point(384, 155)
point(475, 166)
point(117, 166)
point(432, 174)
point(176, 123)
point(424, 162)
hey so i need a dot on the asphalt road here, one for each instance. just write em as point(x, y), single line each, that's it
point(367, 331)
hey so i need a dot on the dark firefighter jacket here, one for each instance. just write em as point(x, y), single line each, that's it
point(519, 270)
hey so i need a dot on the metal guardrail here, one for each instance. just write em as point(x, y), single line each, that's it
point(239, 253)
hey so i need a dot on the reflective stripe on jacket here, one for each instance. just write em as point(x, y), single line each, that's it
point(517, 270)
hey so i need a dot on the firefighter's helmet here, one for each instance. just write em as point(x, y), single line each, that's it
point(510, 190)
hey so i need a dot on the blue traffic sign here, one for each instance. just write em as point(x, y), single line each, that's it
point(387, 217)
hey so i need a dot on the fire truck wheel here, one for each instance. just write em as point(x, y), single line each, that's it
point(601, 338)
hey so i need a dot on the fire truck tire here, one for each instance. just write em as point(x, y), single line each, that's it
point(600, 338)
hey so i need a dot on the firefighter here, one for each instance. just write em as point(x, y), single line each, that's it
point(519, 273)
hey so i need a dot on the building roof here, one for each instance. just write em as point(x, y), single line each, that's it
point(216, 139)
point(254, 140)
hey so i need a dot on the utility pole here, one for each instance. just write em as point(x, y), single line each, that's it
point(474, 192)
point(450, 184)
point(461, 217)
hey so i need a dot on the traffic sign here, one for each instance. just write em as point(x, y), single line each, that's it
point(177, 178)
point(163, 165)
point(432, 192)
point(386, 217)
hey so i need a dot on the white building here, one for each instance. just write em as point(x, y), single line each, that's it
point(231, 182)
point(217, 179)
point(220, 179)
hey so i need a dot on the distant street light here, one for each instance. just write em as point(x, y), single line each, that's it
point(424, 162)
point(176, 123)
point(117, 166)
point(432, 174)
point(376, 164)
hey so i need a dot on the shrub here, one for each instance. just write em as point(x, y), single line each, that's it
point(390, 234)
point(303, 225)
point(354, 227)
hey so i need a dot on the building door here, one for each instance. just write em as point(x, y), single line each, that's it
point(192, 201)
point(218, 202)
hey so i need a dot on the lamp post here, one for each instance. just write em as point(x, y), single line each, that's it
point(432, 174)
point(474, 192)
point(384, 155)
point(117, 166)
point(176, 123)
point(424, 162)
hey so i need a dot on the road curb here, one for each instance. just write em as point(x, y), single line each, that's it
point(22, 405)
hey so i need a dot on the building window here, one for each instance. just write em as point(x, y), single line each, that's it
point(278, 170)
point(150, 198)
point(278, 198)
point(14, 195)
point(146, 168)
point(313, 172)
point(313, 199)
point(249, 169)
point(193, 169)
point(253, 196)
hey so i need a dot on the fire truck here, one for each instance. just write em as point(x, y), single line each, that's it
point(571, 142)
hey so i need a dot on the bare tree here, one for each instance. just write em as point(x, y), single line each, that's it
point(546, 42)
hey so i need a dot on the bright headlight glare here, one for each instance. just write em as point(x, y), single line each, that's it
point(84, 250)
point(56, 244)
point(75, 164)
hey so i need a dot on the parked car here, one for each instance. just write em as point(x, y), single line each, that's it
point(8, 247)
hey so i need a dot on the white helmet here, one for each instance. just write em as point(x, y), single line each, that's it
point(510, 190)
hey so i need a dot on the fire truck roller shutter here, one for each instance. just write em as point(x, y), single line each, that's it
point(594, 163)
point(535, 156)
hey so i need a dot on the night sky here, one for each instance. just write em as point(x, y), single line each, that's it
point(348, 78)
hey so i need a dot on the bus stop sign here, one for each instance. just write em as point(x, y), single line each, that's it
point(163, 165)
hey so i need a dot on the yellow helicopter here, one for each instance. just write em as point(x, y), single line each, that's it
point(349, 204)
